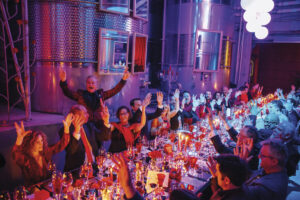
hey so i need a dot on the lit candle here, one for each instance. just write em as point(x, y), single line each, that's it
point(186, 142)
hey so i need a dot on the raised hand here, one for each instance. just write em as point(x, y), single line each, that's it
point(126, 74)
point(62, 75)
point(67, 122)
point(159, 98)
point(124, 175)
point(105, 115)
point(21, 133)
point(211, 164)
point(243, 149)
point(147, 100)
point(176, 94)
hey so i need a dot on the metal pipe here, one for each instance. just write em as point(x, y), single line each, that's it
point(238, 50)
point(178, 34)
point(163, 36)
point(12, 47)
point(290, 10)
point(288, 3)
point(6, 72)
point(241, 53)
point(26, 59)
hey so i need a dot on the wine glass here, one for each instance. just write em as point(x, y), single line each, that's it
point(130, 154)
point(4, 195)
point(57, 183)
point(100, 161)
point(51, 167)
point(20, 193)
point(67, 180)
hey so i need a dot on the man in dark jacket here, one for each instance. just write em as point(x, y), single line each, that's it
point(229, 172)
point(90, 98)
point(137, 113)
point(272, 181)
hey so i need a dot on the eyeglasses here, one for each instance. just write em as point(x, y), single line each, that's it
point(264, 156)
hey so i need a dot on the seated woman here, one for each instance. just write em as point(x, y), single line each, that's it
point(189, 116)
point(161, 125)
point(32, 153)
point(175, 113)
point(123, 133)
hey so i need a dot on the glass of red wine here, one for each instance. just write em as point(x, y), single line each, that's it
point(57, 183)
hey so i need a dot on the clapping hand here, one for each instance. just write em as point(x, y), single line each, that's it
point(21, 133)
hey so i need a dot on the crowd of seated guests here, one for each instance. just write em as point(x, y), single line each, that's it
point(258, 167)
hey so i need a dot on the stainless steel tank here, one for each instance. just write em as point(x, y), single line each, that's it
point(66, 35)
point(182, 20)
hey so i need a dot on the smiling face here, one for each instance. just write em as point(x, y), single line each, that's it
point(124, 116)
point(91, 84)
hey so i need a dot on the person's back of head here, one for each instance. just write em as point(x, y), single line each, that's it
point(252, 132)
point(284, 131)
point(271, 121)
point(233, 167)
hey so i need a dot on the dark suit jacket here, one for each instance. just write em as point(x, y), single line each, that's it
point(221, 148)
point(268, 186)
point(136, 118)
point(75, 151)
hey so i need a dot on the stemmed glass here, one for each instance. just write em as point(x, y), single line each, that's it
point(4, 195)
point(67, 181)
point(20, 193)
point(84, 174)
point(130, 154)
point(100, 161)
point(57, 183)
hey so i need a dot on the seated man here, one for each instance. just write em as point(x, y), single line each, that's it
point(271, 181)
point(229, 173)
point(285, 132)
point(90, 98)
point(85, 138)
point(136, 105)
point(247, 137)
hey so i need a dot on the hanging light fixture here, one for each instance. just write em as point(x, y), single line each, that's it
point(261, 33)
point(257, 16)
